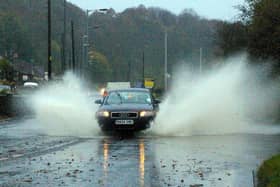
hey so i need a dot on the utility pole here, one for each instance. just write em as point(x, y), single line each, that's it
point(83, 64)
point(86, 38)
point(129, 71)
point(143, 66)
point(82, 59)
point(49, 42)
point(73, 46)
point(165, 62)
point(64, 38)
point(70, 60)
point(61, 54)
point(200, 60)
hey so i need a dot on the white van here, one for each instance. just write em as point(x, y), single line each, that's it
point(117, 85)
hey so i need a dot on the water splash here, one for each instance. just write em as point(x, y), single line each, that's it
point(64, 108)
point(231, 98)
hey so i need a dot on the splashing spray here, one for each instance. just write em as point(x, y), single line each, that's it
point(232, 98)
point(64, 108)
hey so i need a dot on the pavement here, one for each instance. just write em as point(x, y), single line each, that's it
point(30, 157)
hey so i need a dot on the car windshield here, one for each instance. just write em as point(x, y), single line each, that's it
point(120, 97)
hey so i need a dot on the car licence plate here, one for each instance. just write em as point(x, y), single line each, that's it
point(124, 122)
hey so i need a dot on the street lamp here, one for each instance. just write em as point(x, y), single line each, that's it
point(49, 42)
point(85, 45)
point(165, 61)
point(86, 36)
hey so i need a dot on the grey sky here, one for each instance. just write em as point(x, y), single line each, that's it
point(219, 9)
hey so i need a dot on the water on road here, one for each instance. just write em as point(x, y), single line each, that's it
point(30, 157)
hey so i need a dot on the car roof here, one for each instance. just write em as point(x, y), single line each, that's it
point(131, 90)
point(30, 84)
point(4, 86)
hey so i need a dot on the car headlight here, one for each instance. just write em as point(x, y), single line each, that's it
point(103, 114)
point(147, 113)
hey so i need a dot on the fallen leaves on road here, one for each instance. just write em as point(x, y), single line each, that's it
point(196, 185)
point(27, 180)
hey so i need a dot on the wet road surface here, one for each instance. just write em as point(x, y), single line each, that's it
point(29, 157)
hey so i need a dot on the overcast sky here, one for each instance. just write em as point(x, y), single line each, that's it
point(218, 9)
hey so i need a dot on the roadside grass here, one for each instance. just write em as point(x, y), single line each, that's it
point(269, 173)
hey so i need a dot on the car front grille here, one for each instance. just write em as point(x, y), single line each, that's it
point(124, 115)
point(116, 115)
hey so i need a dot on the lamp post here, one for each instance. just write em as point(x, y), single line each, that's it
point(200, 60)
point(64, 37)
point(73, 48)
point(143, 70)
point(86, 36)
point(86, 44)
point(165, 62)
point(49, 42)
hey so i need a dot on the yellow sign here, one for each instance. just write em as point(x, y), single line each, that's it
point(149, 83)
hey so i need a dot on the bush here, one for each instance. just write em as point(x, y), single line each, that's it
point(4, 92)
point(269, 173)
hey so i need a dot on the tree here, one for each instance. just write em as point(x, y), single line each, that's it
point(264, 30)
point(247, 10)
point(5, 69)
point(100, 69)
point(232, 37)
point(13, 40)
point(262, 18)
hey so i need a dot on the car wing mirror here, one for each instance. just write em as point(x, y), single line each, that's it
point(156, 101)
point(99, 101)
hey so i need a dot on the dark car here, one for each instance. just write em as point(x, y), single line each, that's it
point(127, 109)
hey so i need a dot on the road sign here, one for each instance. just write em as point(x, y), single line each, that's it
point(149, 83)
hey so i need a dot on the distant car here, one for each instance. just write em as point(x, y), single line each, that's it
point(4, 87)
point(5, 90)
point(130, 109)
point(113, 86)
point(30, 85)
point(117, 85)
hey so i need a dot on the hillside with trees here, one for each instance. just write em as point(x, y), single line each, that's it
point(118, 44)
point(124, 37)
point(118, 41)
point(23, 30)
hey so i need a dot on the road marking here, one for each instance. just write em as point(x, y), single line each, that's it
point(17, 155)
point(4, 158)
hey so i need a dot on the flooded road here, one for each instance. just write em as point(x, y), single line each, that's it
point(29, 157)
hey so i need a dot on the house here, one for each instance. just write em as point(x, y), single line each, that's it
point(25, 71)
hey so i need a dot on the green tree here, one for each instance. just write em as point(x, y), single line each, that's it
point(233, 37)
point(99, 67)
point(264, 30)
point(263, 21)
point(5, 69)
point(247, 10)
point(13, 37)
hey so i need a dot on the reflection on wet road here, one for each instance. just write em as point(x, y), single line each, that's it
point(142, 163)
point(28, 157)
point(119, 158)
